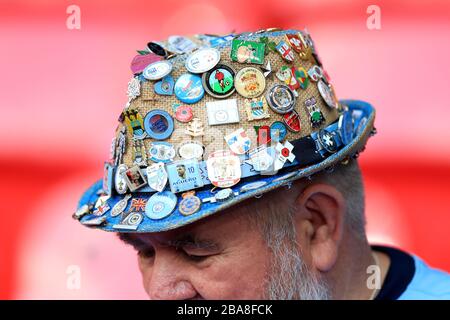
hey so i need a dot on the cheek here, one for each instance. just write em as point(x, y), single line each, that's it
point(234, 276)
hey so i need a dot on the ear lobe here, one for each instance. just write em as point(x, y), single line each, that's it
point(325, 207)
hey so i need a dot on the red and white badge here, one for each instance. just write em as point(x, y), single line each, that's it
point(284, 153)
point(184, 113)
point(224, 168)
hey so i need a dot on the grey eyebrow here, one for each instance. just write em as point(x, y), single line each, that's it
point(193, 244)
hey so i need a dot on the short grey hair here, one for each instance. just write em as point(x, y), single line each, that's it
point(273, 214)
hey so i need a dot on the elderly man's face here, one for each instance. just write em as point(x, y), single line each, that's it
point(217, 258)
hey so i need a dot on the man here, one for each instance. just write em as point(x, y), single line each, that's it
point(293, 233)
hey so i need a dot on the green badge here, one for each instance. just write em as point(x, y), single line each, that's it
point(247, 51)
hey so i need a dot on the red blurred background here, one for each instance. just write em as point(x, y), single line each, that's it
point(62, 90)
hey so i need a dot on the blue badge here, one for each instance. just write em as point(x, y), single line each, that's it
point(189, 88)
point(158, 124)
point(346, 127)
point(161, 152)
point(278, 131)
point(164, 86)
point(184, 175)
point(160, 205)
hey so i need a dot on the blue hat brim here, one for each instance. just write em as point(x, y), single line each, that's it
point(176, 219)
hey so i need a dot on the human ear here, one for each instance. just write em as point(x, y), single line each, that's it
point(322, 210)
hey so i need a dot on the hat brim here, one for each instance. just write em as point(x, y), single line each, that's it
point(176, 219)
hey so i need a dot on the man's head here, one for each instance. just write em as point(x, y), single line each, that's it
point(291, 243)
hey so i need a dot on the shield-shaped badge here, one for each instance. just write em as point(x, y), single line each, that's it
point(238, 141)
point(157, 176)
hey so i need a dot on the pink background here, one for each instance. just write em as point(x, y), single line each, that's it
point(62, 90)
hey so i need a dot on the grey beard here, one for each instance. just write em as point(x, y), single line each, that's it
point(290, 278)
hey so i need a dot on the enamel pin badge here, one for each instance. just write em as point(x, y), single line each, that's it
point(238, 141)
point(184, 175)
point(157, 176)
point(224, 168)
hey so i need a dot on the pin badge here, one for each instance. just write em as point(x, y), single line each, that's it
point(219, 81)
point(157, 176)
point(238, 141)
point(135, 124)
point(165, 86)
point(141, 61)
point(301, 76)
point(307, 50)
point(224, 168)
point(158, 124)
point(119, 179)
point(247, 51)
point(286, 74)
point(260, 159)
point(184, 175)
point(101, 206)
point(190, 203)
point(184, 113)
point(191, 150)
point(252, 186)
point(263, 133)
point(195, 128)
point(278, 131)
point(161, 152)
point(257, 109)
point(138, 204)
point(280, 98)
point(157, 48)
point(120, 143)
point(284, 153)
point(202, 60)
point(180, 44)
point(157, 70)
point(292, 120)
point(294, 41)
point(222, 195)
point(285, 51)
point(139, 154)
point(250, 82)
point(95, 222)
point(327, 93)
point(222, 112)
point(189, 88)
point(160, 205)
point(120, 206)
point(134, 178)
point(108, 175)
point(82, 211)
point(267, 69)
point(130, 222)
point(346, 127)
point(315, 73)
point(316, 115)
point(328, 140)
point(134, 88)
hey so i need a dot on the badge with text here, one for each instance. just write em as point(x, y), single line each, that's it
point(222, 112)
point(157, 176)
point(184, 175)
point(224, 168)
point(161, 152)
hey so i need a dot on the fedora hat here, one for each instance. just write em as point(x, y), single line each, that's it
point(214, 120)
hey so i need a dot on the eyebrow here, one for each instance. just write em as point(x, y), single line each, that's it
point(186, 241)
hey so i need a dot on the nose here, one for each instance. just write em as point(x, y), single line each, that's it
point(169, 278)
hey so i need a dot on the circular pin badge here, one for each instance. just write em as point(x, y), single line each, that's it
point(157, 70)
point(184, 114)
point(281, 99)
point(190, 204)
point(224, 194)
point(189, 88)
point(327, 140)
point(250, 82)
point(160, 205)
point(158, 124)
point(219, 81)
point(252, 186)
point(345, 126)
point(202, 60)
point(327, 94)
point(278, 131)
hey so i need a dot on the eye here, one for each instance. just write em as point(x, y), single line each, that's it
point(196, 258)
